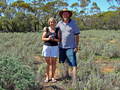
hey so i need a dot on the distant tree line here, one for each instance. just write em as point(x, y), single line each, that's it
point(107, 20)
point(32, 16)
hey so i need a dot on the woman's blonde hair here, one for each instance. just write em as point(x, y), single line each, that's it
point(51, 19)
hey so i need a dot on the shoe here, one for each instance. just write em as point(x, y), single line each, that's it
point(53, 80)
point(46, 80)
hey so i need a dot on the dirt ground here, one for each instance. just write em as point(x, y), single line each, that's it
point(106, 66)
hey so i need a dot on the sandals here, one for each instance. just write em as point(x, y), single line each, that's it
point(53, 80)
point(46, 80)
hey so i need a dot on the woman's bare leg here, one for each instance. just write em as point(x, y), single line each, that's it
point(47, 59)
point(53, 66)
point(50, 68)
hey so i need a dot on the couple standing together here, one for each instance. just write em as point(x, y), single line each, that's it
point(60, 40)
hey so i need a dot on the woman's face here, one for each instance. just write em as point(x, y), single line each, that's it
point(52, 23)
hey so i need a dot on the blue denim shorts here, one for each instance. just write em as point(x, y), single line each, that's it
point(69, 55)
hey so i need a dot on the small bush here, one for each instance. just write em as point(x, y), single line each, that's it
point(14, 74)
point(111, 51)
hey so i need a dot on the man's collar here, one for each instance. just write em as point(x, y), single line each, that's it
point(68, 21)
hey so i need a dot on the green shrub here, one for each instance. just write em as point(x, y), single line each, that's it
point(1, 88)
point(91, 78)
point(111, 51)
point(14, 74)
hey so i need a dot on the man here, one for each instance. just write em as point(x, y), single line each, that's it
point(69, 40)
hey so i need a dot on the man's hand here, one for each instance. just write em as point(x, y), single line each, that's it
point(76, 49)
point(77, 43)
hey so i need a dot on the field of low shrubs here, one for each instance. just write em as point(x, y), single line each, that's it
point(18, 68)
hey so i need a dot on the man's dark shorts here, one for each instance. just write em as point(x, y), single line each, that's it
point(69, 55)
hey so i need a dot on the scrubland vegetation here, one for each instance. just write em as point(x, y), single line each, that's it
point(98, 49)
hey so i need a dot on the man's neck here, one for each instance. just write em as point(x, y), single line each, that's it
point(66, 20)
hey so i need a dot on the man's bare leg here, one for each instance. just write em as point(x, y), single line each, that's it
point(74, 75)
point(66, 70)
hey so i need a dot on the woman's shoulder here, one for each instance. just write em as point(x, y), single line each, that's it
point(45, 29)
point(57, 29)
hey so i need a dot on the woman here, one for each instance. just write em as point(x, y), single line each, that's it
point(51, 37)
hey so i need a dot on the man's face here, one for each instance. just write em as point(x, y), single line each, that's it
point(66, 15)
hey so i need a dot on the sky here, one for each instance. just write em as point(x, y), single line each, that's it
point(103, 4)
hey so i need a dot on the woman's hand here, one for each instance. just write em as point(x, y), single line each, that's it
point(50, 38)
